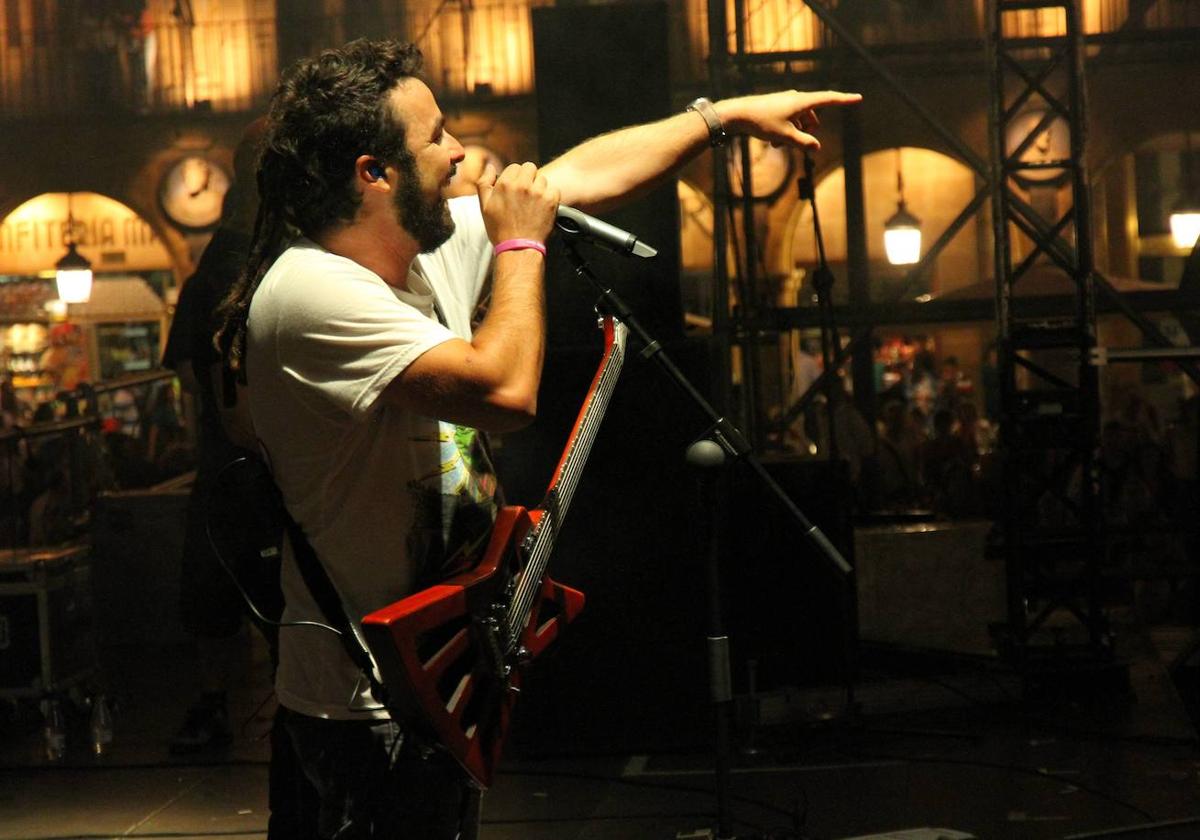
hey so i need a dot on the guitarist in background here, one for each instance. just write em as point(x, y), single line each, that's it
point(367, 383)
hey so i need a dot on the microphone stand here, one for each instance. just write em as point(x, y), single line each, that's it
point(823, 280)
point(823, 283)
point(720, 445)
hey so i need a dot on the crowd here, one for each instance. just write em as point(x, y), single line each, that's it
point(933, 448)
point(50, 474)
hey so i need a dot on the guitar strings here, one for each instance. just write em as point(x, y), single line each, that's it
point(560, 494)
point(531, 577)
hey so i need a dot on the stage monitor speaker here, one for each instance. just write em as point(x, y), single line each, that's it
point(600, 68)
point(1186, 829)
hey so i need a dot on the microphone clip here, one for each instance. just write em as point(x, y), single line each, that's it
point(576, 223)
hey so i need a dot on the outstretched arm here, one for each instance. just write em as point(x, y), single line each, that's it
point(607, 170)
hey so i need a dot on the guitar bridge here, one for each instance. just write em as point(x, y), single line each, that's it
point(493, 637)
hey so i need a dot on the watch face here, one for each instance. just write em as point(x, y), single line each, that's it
point(192, 192)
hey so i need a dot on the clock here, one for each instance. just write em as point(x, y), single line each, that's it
point(770, 168)
point(1052, 143)
point(192, 192)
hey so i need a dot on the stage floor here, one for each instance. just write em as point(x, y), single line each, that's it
point(953, 750)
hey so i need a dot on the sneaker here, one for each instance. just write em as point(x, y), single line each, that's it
point(206, 725)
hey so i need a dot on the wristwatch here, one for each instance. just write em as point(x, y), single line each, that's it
point(716, 129)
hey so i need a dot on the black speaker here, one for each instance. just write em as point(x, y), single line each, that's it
point(786, 609)
point(600, 68)
point(629, 674)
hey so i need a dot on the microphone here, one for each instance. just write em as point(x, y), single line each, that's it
point(577, 223)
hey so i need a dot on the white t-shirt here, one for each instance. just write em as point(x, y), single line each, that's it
point(386, 497)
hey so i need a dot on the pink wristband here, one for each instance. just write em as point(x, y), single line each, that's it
point(519, 245)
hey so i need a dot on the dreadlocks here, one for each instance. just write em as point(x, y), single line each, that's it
point(327, 111)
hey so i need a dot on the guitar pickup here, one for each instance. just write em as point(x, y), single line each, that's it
point(529, 542)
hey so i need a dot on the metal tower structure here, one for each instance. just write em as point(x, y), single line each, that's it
point(1052, 534)
point(1051, 530)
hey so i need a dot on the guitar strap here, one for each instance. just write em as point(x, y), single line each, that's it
point(247, 479)
point(328, 602)
point(322, 589)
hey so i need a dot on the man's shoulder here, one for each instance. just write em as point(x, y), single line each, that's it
point(308, 286)
point(306, 268)
point(465, 205)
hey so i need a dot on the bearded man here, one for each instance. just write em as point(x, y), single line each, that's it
point(369, 390)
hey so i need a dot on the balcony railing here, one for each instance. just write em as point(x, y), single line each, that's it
point(56, 58)
point(480, 47)
point(790, 26)
point(89, 66)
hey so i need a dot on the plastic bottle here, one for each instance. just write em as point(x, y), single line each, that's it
point(100, 726)
point(56, 730)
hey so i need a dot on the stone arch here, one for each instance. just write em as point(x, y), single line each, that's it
point(936, 189)
point(112, 234)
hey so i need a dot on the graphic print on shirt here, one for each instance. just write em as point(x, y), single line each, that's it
point(454, 506)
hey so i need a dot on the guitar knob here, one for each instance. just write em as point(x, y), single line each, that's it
point(523, 655)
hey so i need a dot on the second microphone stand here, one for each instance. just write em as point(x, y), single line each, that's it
point(719, 446)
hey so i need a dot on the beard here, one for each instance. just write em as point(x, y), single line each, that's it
point(427, 220)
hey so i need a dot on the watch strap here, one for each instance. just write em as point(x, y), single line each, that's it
point(716, 129)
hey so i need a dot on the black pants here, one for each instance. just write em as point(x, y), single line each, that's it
point(371, 783)
point(292, 800)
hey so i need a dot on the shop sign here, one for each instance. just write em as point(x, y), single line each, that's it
point(115, 238)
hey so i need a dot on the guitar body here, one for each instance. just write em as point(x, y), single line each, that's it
point(450, 657)
point(440, 658)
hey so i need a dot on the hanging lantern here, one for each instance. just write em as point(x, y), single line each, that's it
point(902, 237)
point(73, 273)
point(1185, 218)
point(73, 276)
point(902, 232)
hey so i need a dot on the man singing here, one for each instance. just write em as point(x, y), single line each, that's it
point(369, 390)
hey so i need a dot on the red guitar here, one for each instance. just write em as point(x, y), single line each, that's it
point(450, 656)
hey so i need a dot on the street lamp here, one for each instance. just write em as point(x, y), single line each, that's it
point(73, 273)
point(902, 232)
point(1185, 217)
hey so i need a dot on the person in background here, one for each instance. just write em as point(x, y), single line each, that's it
point(946, 468)
point(211, 607)
point(899, 476)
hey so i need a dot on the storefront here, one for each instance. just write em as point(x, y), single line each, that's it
point(48, 346)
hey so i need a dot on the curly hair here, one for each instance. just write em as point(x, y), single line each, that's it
point(327, 110)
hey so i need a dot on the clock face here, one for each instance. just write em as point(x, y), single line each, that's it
point(192, 192)
point(770, 168)
point(1052, 143)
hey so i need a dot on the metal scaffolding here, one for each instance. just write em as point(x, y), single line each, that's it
point(1051, 534)
point(1050, 528)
